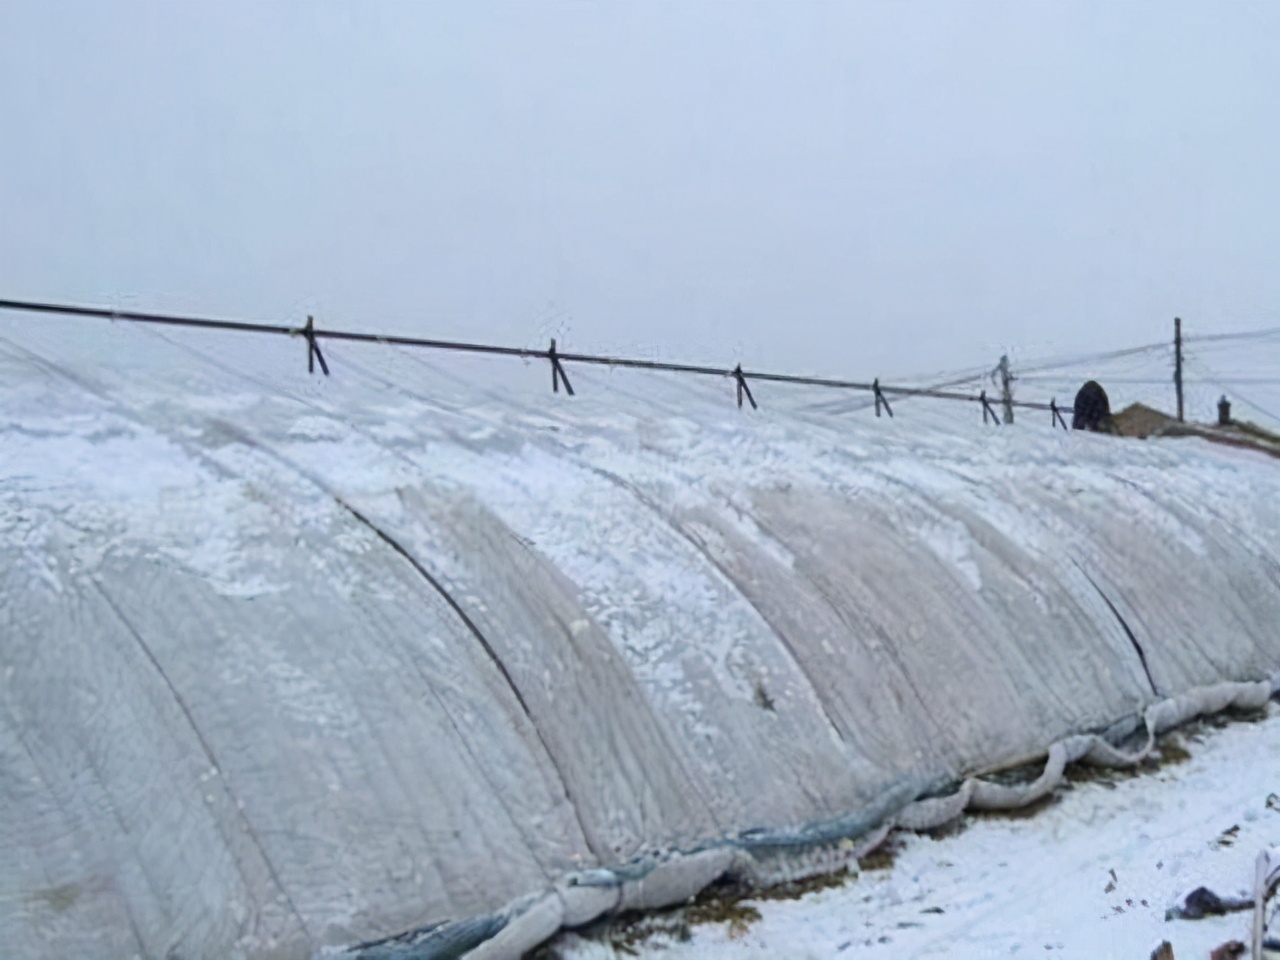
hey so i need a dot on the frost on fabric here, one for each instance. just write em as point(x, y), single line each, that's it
point(451, 642)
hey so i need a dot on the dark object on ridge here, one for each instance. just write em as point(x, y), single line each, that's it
point(1092, 409)
point(1203, 902)
point(1224, 412)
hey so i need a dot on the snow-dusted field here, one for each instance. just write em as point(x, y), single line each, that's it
point(1089, 877)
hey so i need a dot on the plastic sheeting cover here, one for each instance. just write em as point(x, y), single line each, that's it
point(291, 663)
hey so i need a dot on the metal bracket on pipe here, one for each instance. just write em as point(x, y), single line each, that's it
point(881, 399)
point(1057, 414)
point(741, 378)
point(313, 348)
point(987, 409)
point(557, 372)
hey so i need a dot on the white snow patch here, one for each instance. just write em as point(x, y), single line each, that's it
point(949, 540)
point(1088, 878)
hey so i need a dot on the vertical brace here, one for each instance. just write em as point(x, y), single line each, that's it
point(557, 371)
point(1057, 414)
point(313, 348)
point(741, 379)
point(881, 399)
point(1177, 362)
point(987, 409)
point(1006, 386)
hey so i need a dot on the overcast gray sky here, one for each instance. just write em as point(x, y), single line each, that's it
point(847, 188)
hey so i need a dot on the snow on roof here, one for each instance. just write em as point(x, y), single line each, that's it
point(291, 663)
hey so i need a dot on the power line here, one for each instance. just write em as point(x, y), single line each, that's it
point(1241, 335)
point(954, 380)
point(1154, 381)
point(1093, 358)
point(313, 334)
point(1069, 378)
point(1226, 387)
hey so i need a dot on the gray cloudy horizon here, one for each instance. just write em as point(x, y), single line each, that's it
point(841, 188)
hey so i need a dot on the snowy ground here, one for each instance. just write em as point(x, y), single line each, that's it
point(1090, 876)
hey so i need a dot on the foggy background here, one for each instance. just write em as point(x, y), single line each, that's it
point(852, 189)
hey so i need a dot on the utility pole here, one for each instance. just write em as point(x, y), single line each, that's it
point(1177, 362)
point(1006, 386)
